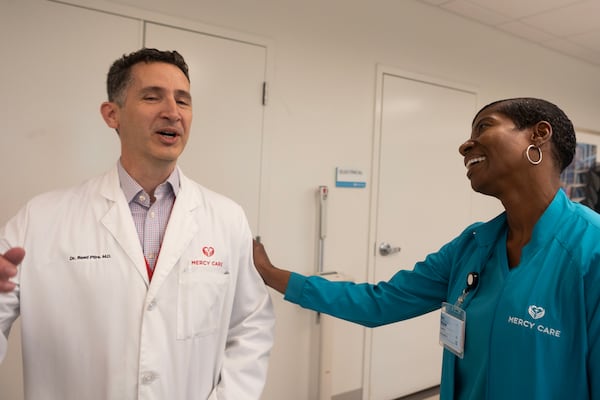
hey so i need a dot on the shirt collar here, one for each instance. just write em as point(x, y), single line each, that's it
point(544, 228)
point(131, 188)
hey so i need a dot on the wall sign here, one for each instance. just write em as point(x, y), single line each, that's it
point(350, 178)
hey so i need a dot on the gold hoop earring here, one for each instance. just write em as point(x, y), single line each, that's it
point(539, 160)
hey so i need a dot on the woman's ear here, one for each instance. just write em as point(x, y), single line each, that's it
point(542, 132)
point(110, 114)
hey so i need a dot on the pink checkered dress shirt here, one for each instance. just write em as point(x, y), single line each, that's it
point(150, 218)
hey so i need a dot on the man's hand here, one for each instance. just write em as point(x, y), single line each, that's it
point(8, 267)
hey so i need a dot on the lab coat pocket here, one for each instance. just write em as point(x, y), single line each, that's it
point(201, 296)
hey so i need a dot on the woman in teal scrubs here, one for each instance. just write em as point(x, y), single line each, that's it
point(525, 285)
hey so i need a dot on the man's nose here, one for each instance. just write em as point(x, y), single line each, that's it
point(171, 110)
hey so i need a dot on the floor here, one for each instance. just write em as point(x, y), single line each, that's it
point(427, 394)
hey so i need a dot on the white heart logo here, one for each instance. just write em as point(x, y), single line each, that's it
point(536, 312)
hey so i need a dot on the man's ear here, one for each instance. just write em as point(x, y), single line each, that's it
point(542, 132)
point(110, 114)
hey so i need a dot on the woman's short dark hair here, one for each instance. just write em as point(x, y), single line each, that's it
point(525, 112)
point(119, 74)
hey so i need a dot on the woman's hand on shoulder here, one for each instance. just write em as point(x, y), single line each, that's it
point(273, 277)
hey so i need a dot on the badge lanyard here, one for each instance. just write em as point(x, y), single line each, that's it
point(149, 270)
point(453, 320)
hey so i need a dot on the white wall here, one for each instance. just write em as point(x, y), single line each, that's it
point(323, 57)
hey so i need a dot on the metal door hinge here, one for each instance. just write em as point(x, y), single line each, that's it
point(264, 93)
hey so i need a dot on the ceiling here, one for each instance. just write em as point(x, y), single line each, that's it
point(571, 27)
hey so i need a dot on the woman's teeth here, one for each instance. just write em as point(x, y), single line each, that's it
point(473, 161)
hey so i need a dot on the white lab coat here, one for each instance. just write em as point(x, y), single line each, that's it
point(93, 327)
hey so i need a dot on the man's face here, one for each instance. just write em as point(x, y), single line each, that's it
point(155, 118)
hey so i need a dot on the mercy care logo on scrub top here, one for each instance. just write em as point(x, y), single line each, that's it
point(537, 313)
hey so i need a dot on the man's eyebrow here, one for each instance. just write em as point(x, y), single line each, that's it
point(151, 89)
point(158, 89)
point(183, 93)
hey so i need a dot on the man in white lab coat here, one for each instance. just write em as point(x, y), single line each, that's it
point(138, 284)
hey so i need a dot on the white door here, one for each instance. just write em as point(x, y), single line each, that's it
point(423, 199)
point(224, 150)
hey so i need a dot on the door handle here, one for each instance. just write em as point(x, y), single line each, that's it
point(385, 249)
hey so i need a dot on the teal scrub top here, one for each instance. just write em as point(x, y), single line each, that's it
point(542, 327)
point(471, 370)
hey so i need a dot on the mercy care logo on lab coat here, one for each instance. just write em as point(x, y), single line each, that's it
point(206, 260)
point(535, 324)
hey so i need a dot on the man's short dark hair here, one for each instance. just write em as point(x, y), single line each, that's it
point(119, 74)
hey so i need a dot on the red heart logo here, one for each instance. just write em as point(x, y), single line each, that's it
point(208, 251)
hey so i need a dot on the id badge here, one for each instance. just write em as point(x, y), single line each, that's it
point(452, 328)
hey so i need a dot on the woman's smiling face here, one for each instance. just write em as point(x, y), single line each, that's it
point(494, 155)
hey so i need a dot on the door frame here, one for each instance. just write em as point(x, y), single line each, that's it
point(381, 72)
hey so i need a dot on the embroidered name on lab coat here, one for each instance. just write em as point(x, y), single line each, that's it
point(89, 257)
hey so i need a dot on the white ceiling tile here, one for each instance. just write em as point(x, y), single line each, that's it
point(522, 8)
point(578, 18)
point(590, 40)
point(571, 27)
point(594, 58)
point(435, 2)
point(474, 11)
point(566, 47)
point(525, 31)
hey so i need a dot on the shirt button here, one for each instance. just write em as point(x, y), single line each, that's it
point(152, 214)
point(142, 197)
point(149, 377)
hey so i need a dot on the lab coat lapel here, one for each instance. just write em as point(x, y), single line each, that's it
point(119, 222)
point(181, 229)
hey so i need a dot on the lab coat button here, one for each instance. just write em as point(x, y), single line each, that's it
point(149, 377)
point(151, 305)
